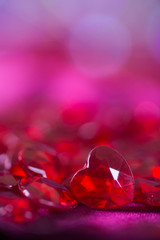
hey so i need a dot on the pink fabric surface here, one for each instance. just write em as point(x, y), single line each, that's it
point(133, 221)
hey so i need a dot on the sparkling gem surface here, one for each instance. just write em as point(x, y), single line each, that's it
point(147, 191)
point(105, 182)
point(47, 193)
point(37, 161)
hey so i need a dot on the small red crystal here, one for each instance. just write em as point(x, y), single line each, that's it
point(41, 161)
point(147, 191)
point(47, 193)
point(7, 180)
point(105, 182)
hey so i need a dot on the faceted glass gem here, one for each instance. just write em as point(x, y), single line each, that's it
point(41, 161)
point(105, 182)
point(47, 193)
point(7, 180)
point(15, 208)
point(147, 191)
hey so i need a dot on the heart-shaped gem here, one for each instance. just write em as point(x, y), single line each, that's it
point(47, 193)
point(105, 182)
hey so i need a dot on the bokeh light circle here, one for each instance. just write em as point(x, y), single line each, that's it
point(99, 45)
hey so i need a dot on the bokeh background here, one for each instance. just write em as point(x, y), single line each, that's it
point(75, 74)
point(104, 52)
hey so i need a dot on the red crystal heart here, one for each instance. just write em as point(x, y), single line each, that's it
point(147, 191)
point(106, 180)
point(47, 193)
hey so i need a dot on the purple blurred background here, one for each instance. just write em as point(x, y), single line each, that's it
point(62, 52)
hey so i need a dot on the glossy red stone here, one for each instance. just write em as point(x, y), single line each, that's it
point(7, 180)
point(15, 208)
point(147, 191)
point(41, 161)
point(105, 182)
point(47, 193)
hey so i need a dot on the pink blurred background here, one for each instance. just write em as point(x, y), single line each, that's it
point(60, 52)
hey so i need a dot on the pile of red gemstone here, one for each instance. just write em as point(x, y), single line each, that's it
point(43, 162)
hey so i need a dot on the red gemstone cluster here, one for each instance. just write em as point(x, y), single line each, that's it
point(42, 163)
